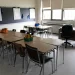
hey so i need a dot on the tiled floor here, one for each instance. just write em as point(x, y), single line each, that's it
point(68, 68)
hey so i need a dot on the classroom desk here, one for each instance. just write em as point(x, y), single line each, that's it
point(12, 36)
point(38, 42)
point(41, 46)
point(40, 26)
point(51, 41)
point(32, 28)
point(57, 43)
point(12, 33)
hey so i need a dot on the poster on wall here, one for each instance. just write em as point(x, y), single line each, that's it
point(0, 15)
point(17, 13)
point(32, 13)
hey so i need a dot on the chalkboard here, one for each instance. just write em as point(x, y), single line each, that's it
point(8, 15)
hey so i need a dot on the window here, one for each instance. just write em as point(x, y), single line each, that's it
point(46, 14)
point(69, 14)
point(32, 13)
point(57, 14)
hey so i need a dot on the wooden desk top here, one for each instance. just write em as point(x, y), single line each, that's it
point(43, 47)
point(51, 41)
point(12, 33)
point(17, 34)
point(55, 42)
point(12, 36)
point(40, 26)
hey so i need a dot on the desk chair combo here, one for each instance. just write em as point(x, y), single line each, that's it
point(22, 31)
point(38, 58)
point(3, 47)
point(67, 33)
point(19, 50)
point(14, 30)
point(25, 28)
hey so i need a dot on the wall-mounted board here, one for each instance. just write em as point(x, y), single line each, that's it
point(17, 13)
point(0, 15)
point(9, 17)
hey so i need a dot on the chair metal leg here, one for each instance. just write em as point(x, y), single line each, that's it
point(57, 58)
point(40, 70)
point(9, 53)
point(63, 54)
point(43, 69)
point(22, 64)
point(43, 64)
point(15, 58)
point(27, 66)
point(8, 57)
point(52, 66)
point(3, 52)
point(66, 44)
point(54, 59)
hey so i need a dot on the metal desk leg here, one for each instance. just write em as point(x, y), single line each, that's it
point(63, 54)
point(22, 64)
point(57, 58)
point(51, 30)
point(54, 59)
point(27, 63)
point(43, 69)
point(43, 63)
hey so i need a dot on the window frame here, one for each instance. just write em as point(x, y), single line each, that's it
point(67, 9)
point(43, 14)
point(61, 15)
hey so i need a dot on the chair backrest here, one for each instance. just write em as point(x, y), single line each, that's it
point(25, 27)
point(14, 30)
point(67, 30)
point(0, 39)
point(20, 49)
point(33, 53)
point(22, 31)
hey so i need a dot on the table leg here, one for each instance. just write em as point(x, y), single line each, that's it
point(22, 64)
point(56, 57)
point(43, 63)
point(63, 54)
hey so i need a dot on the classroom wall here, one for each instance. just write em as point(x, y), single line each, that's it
point(29, 4)
point(17, 26)
point(56, 4)
point(38, 12)
point(57, 24)
point(17, 3)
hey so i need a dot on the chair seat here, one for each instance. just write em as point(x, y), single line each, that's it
point(45, 58)
point(22, 54)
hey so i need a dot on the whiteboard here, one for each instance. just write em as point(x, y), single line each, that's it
point(17, 13)
point(0, 15)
